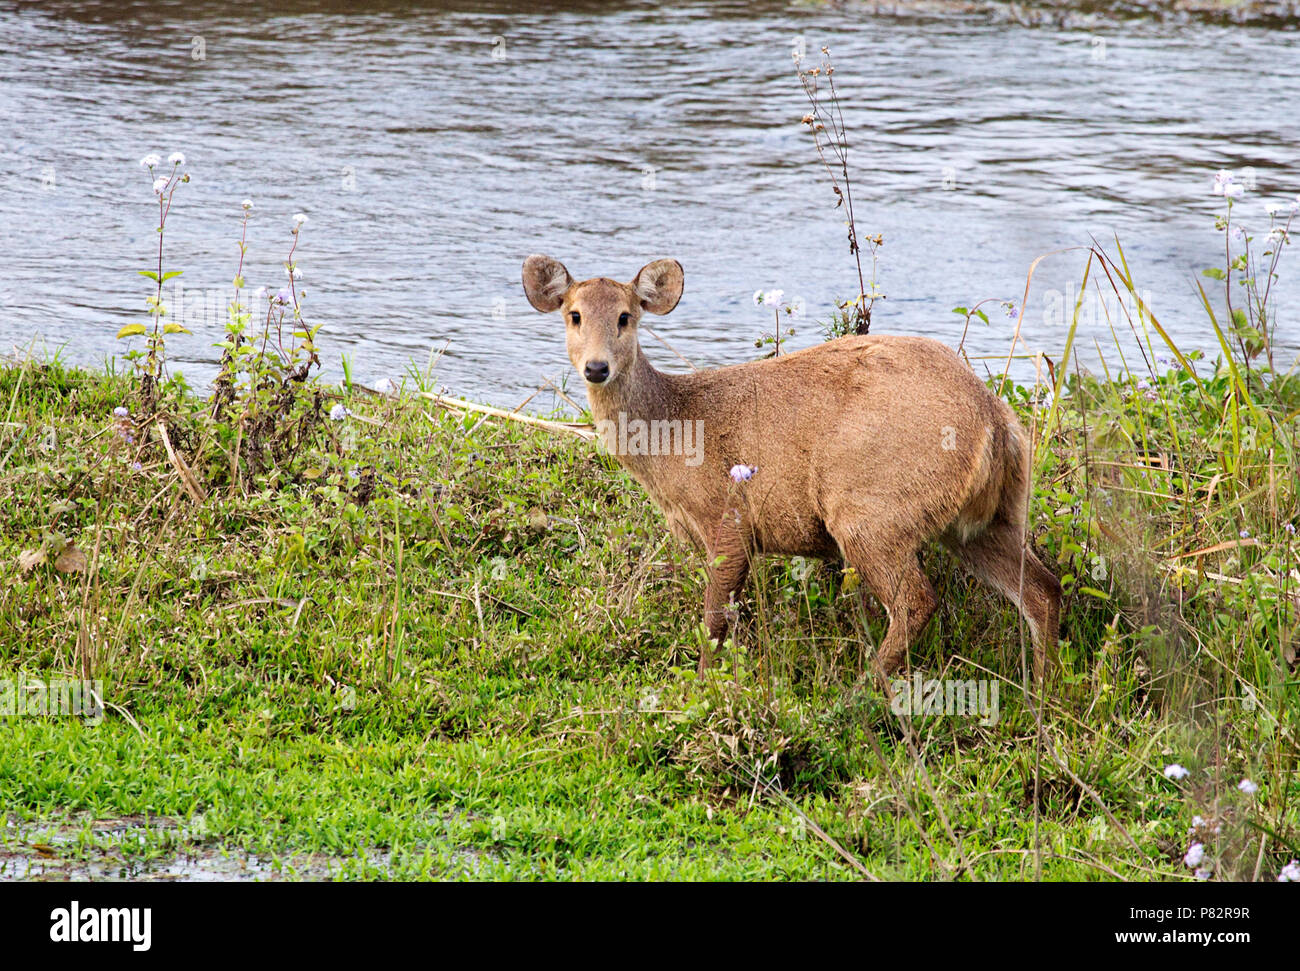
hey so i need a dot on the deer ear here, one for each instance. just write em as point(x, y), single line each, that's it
point(659, 286)
point(546, 281)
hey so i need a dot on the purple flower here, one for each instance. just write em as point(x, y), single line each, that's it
point(284, 295)
point(1195, 854)
point(742, 473)
point(122, 412)
point(1289, 528)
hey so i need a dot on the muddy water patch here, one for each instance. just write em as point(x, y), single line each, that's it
point(137, 848)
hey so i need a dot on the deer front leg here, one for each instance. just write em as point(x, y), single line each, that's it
point(728, 570)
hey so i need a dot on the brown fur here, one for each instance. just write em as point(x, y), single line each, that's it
point(865, 448)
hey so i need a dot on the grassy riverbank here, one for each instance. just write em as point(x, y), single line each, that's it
point(1097, 13)
point(424, 644)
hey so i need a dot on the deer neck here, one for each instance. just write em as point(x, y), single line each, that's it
point(640, 393)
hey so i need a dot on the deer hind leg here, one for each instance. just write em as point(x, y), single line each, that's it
point(892, 571)
point(995, 557)
point(728, 570)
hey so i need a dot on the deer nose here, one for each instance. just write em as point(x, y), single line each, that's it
point(596, 371)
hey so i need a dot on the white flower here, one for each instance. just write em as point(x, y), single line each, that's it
point(296, 274)
point(1234, 190)
point(1203, 873)
point(298, 219)
point(176, 158)
point(1248, 787)
point(758, 297)
point(259, 294)
point(742, 473)
point(1195, 854)
point(773, 296)
point(386, 386)
point(160, 186)
point(1198, 822)
point(1222, 179)
point(1175, 771)
point(1290, 873)
point(247, 204)
point(338, 413)
point(149, 161)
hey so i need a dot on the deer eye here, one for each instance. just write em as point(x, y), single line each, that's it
point(623, 320)
point(575, 318)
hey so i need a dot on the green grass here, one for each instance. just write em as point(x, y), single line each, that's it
point(475, 658)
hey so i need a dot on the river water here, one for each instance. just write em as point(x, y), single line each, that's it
point(433, 146)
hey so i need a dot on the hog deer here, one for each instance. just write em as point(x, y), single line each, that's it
point(864, 447)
